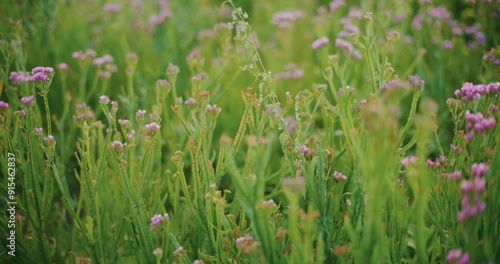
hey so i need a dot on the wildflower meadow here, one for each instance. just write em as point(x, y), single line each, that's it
point(250, 131)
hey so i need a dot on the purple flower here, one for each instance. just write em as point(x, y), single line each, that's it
point(455, 175)
point(408, 160)
point(304, 149)
point(39, 76)
point(320, 42)
point(213, 108)
point(191, 101)
point(163, 82)
point(131, 135)
point(4, 105)
point(63, 66)
point(469, 136)
point(454, 255)
point(140, 114)
point(111, 8)
point(467, 186)
point(152, 128)
point(42, 70)
point(480, 184)
point(292, 124)
point(336, 4)
point(465, 259)
point(479, 169)
point(415, 81)
point(347, 47)
point(19, 77)
point(38, 130)
point(157, 219)
point(49, 139)
point(117, 145)
point(124, 122)
point(285, 19)
point(339, 176)
point(27, 100)
point(439, 12)
point(448, 44)
point(104, 99)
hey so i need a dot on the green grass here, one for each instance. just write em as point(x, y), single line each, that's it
point(255, 145)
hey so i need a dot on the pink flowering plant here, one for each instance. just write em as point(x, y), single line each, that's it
point(250, 131)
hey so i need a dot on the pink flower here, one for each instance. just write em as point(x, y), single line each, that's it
point(479, 169)
point(152, 128)
point(104, 99)
point(339, 176)
point(157, 219)
point(111, 8)
point(140, 114)
point(320, 42)
point(304, 149)
point(19, 77)
point(213, 108)
point(27, 100)
point(62, 66)
point(408, 160)
point(4, 105)
point(117, 145)
point(49, 139)
point(191, 101)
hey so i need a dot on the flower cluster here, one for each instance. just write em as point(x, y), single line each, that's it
point(191, 101)
point(27, 100)
point(4, 105)
point(415, 81)
point(438, 162)
point(469, 91)
point(493, 56)
point(140, 114)
point(152, 129)
point(478, 123)
point(339, 176)
point(320, 42)
point(285, 19)
point(391, 84)
point(305, 150)
point(111, 8)
point(440, 16)
point(83, 114)
point(84, 55)
point(347, 47)
point(458, 257)
point(348, 22)
point(408, 160)
point(247, 244)
point(41, 74)
point(291, 72)
point(105, 66)
point(213, 108)
point(453, 175)
point(336, 4)
point(471, 202)
point(455, 148)
point(158, 221)
point(118, 145)
point(165, 13)
point(17, 77)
